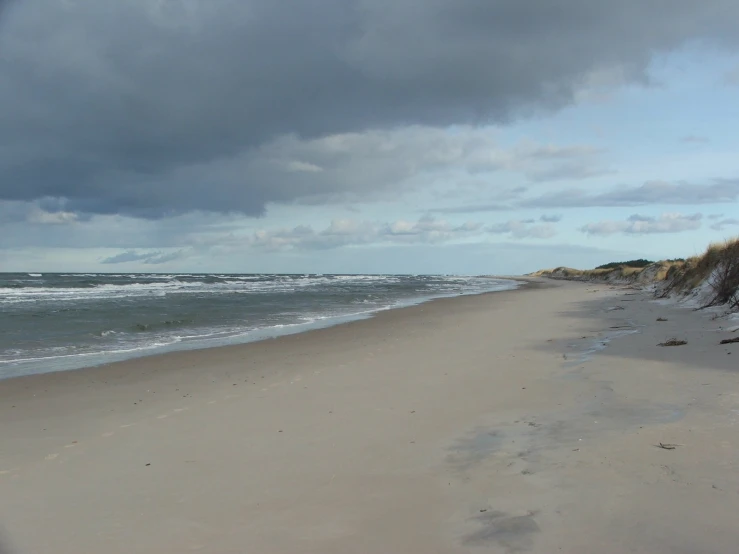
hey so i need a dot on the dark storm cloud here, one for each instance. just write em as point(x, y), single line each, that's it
point(133, 107)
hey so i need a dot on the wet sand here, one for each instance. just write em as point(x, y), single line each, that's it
point(522, 421)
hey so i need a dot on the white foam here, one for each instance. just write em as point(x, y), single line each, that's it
point(169, 284)
point(113, 344)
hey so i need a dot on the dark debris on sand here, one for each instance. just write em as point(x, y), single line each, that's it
point(673, 342)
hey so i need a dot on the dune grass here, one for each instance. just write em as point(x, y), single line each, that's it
point(717, 268)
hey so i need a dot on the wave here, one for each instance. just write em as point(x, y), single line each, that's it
point(89, 287)
point(145, 321)
point(158, 325)
point(128, 346)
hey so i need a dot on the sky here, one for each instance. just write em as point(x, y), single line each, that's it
point(365, 136)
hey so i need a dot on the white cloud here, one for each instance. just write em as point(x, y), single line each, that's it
point(651, 192)
point(297, 166)
point(350, 232)
point(728, 222)
point(338, 168)
point(640, 225)
point(427, 230)
point(43, 217)
point(553, 218)
point(147, 258)
point(377, 161)
point(548, 162)
point(521, 229)
point(598, 86)
point(473, 208)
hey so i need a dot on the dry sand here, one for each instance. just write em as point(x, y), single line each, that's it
point(494, 423)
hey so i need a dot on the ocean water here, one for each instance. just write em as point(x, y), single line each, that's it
point(53, 322)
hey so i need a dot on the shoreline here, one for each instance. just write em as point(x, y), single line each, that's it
point(262, 334)
point(487, 423)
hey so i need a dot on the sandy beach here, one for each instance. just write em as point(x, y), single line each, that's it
point(520, 421)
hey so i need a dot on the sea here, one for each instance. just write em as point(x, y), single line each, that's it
point(62, 321)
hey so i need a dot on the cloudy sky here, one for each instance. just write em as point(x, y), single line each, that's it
point(438, 136)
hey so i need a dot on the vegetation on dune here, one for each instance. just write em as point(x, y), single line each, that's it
point(612, 273)
point(631, 263)
point(714, 275)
